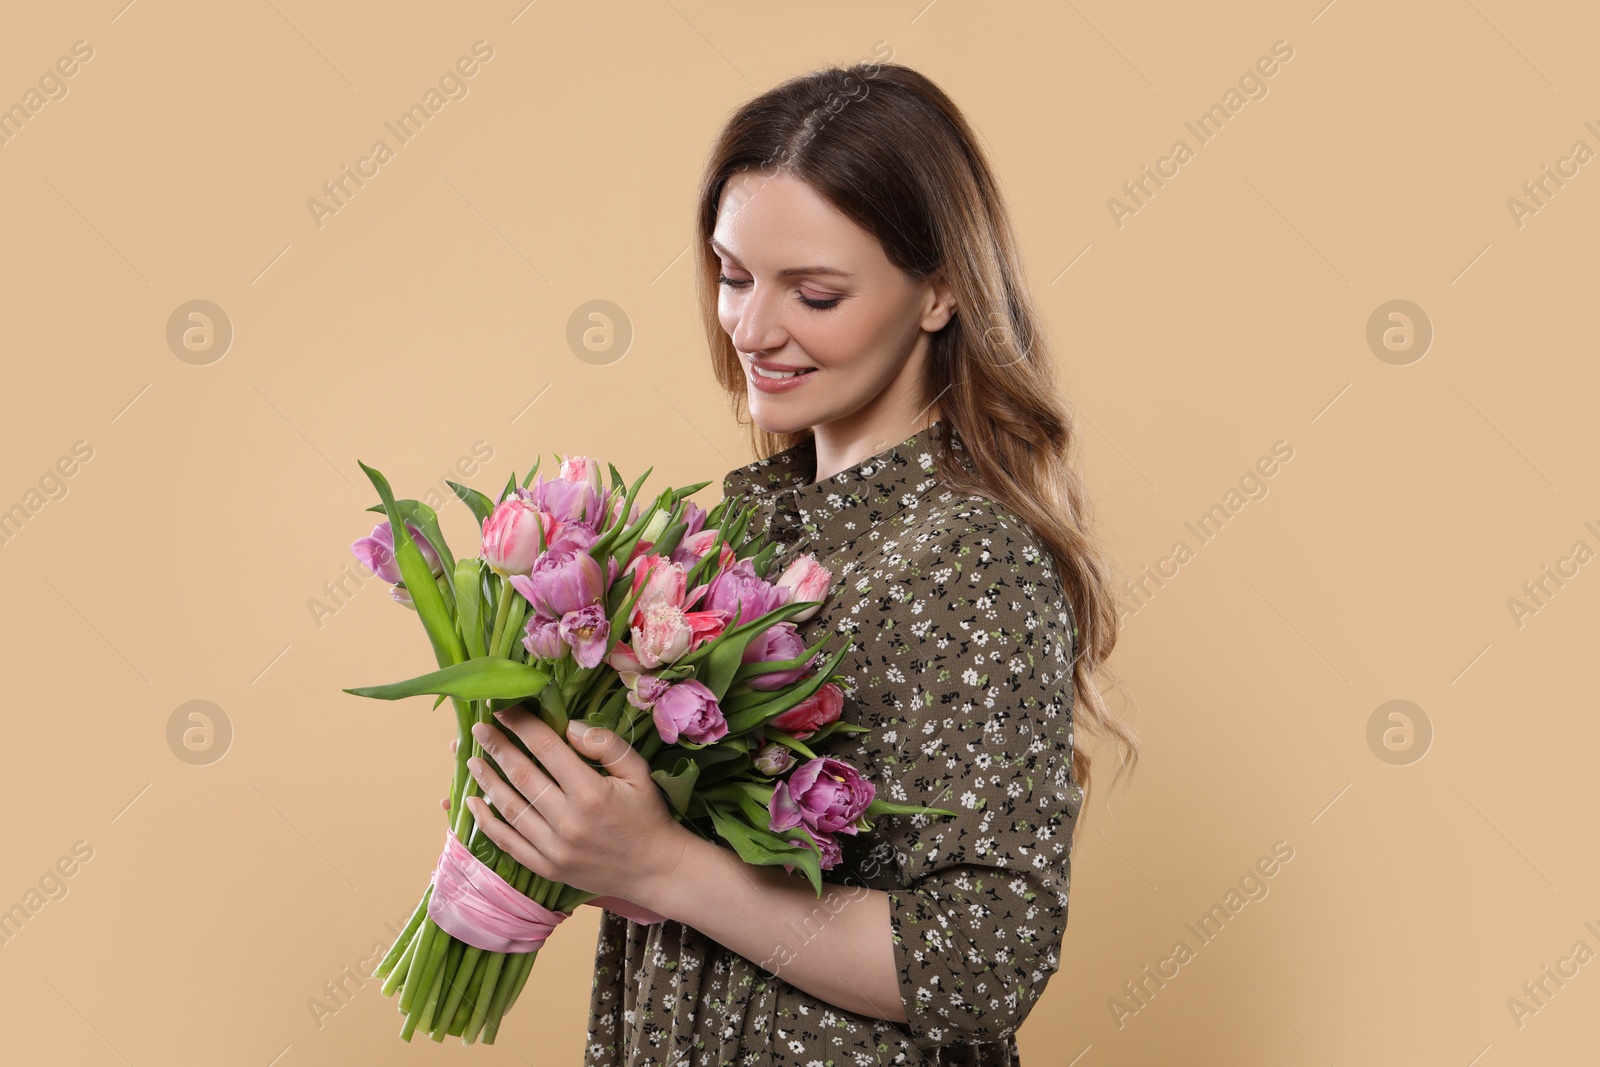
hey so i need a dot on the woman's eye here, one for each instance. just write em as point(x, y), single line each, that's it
point(820, 305)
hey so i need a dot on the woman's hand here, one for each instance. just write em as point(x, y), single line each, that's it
point(564, 820)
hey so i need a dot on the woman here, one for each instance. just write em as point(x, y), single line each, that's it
point(915, 445)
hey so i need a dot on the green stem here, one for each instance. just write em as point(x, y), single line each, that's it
point(506, 992)
point(651, 746)
point(402, 942)
point(469, 1002)
point(392, 981)
point(437, 1020)
point(507, 595)
point(480, 1011)
point(433, 966)
point(419, 961)
point(496, 973)
point(426, 1008)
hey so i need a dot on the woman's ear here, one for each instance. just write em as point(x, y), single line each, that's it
point(940, 304)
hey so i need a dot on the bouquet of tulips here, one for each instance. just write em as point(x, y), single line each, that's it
point(658, 622)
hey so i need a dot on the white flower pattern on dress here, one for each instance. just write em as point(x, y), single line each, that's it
point(938, 591)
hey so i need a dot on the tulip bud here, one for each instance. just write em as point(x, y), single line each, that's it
point(774, 759)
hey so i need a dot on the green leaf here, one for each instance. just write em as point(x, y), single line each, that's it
point(678, 784)
point(473, 679)
point(531, 472)
point(884, 807)
point(722, 664)
point(746, 630)
point(750, 718)
point(747, 671)
point(426, 519)
point(670, 538)
point(766, 848)
point(425, 594)
point(469, 605)
point(605, 542)
point(794, 743)
point(678, 495)
point(482, 507)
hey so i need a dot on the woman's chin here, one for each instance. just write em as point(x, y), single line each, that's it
point(774, 419)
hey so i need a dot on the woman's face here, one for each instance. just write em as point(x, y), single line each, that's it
point(805, 287)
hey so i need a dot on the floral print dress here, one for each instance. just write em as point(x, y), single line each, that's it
point(962, 668)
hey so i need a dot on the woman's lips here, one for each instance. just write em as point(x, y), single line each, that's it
point(778, 385)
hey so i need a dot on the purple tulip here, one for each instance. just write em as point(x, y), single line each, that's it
point(376, 552)
point(588, 632)
point(695, 517)
point(827, 847)
point(743, 594)
point(824, 795)
point(542, 637)
point(580, 503)
point(565, 578)
point(689, 710)
point(778, 642)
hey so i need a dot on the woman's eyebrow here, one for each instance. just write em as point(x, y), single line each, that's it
point(789, 272)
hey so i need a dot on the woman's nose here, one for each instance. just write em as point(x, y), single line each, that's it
point(759, 328)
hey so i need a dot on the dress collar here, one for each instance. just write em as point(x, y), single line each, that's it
point(826, 516)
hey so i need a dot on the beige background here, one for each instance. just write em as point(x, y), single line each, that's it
point(431, 312)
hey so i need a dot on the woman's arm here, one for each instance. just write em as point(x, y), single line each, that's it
point(836, 947)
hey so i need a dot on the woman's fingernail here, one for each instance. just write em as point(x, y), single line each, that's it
point(480, 731)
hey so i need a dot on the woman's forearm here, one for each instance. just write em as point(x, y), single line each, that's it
point(836, 947)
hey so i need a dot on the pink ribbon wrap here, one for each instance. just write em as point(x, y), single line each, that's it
point(475, 905)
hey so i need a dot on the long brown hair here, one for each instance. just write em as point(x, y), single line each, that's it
point(888, 149)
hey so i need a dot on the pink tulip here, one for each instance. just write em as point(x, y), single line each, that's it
point(812, 713)
point(623, 661)
point(806, 579)
point(580, 470)
point(694, 546)
point(780, 641)
point(376, 552)
point(511, 536)
point(662, 634)
point(689, 710)
point(644, 689)
point(656, 578)
point(705, 626)
point(587, 631)
point(745, 595)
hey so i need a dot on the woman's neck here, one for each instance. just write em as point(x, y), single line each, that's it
point(842, 447)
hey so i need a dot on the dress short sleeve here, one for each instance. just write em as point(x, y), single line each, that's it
point(985, 657)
